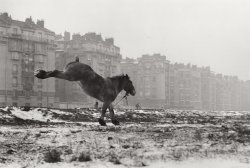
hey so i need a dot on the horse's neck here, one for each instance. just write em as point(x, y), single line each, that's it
point(118, 85)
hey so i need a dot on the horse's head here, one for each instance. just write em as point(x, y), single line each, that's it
point(128, 85)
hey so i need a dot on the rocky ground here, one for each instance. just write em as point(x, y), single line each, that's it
point(145, 138)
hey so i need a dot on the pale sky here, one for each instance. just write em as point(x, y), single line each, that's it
point(213, 33)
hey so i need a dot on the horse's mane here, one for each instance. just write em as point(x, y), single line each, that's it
point(118, 76)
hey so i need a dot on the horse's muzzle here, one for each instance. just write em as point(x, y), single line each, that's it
point(133, 92)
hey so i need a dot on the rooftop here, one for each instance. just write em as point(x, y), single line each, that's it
point(6, 20)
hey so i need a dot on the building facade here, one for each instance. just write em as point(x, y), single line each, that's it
point(102, 55)
point(186, 86)
point(24, 47)
point(148, 74)
point(160, 83)
point(151, 74)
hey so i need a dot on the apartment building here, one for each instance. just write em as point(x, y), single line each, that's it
point(183, 86)
point(151, 82)
point(160, 83)
point(24, 47)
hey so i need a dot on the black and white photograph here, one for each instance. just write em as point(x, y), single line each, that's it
point(124, 83)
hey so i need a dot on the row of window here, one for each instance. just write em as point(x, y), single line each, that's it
point(27, 58)
point(17, 93)
point(153, 65)
point(18, 45)
point(16, 30)
point(26, 80)
point(96, 47)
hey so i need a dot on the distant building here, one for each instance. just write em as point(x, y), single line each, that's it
point(62, 41)
point(160, 84)
point(24, 47)
point(206, 88)
point(186, 86)
point(102, 55)
point(151, 79)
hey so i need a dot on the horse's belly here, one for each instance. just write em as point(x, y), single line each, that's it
point(94, 92)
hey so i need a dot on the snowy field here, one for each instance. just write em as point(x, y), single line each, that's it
point(49, 138)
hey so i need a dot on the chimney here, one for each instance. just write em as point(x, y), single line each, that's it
point(110, 41)
point(66, 36)
point(5, 16)
point(40, 23)
point(29, 20)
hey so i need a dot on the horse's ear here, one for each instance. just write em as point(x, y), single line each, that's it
point(127, 76)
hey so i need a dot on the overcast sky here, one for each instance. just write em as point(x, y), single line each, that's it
point(203, 32)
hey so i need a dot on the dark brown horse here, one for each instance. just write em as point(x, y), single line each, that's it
point(103, 89)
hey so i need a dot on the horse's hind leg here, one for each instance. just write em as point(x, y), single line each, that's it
point(112, 115)
point(104, 109)
point(41, 74)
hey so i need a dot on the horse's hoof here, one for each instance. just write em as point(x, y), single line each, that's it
point(102, 122)
point(40, 74)
point(115, 122)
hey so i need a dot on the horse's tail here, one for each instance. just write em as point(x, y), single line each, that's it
point(77, 59)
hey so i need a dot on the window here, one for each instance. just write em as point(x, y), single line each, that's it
point(13, 45)
point(99, 46)
point(14, 68)
point(27, 95)
point(147, 85)
point(30, 58)
point(147, 79)
point(40, 58)
point(14, 81)
point(112, 49)
point(147, 65)
point(25, 46)
point(39, 81)
point(30, 46)
point(89, 57)
point(15, 30)
point(43, 48)
point(147, 93)
point(40, 94)
point(40, 35)
point(38, 48)
point(15, 94)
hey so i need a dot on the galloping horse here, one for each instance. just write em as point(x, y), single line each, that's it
point(103, 89)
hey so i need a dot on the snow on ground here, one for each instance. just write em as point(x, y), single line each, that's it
point(53, 115)
point(206, 163)
point(35, 114)
point(151, 138)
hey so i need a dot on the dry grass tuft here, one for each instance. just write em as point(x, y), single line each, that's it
point(84, 157)
point(52, 156)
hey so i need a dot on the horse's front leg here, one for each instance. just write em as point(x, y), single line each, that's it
point(112, 115)
point(104, 109)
